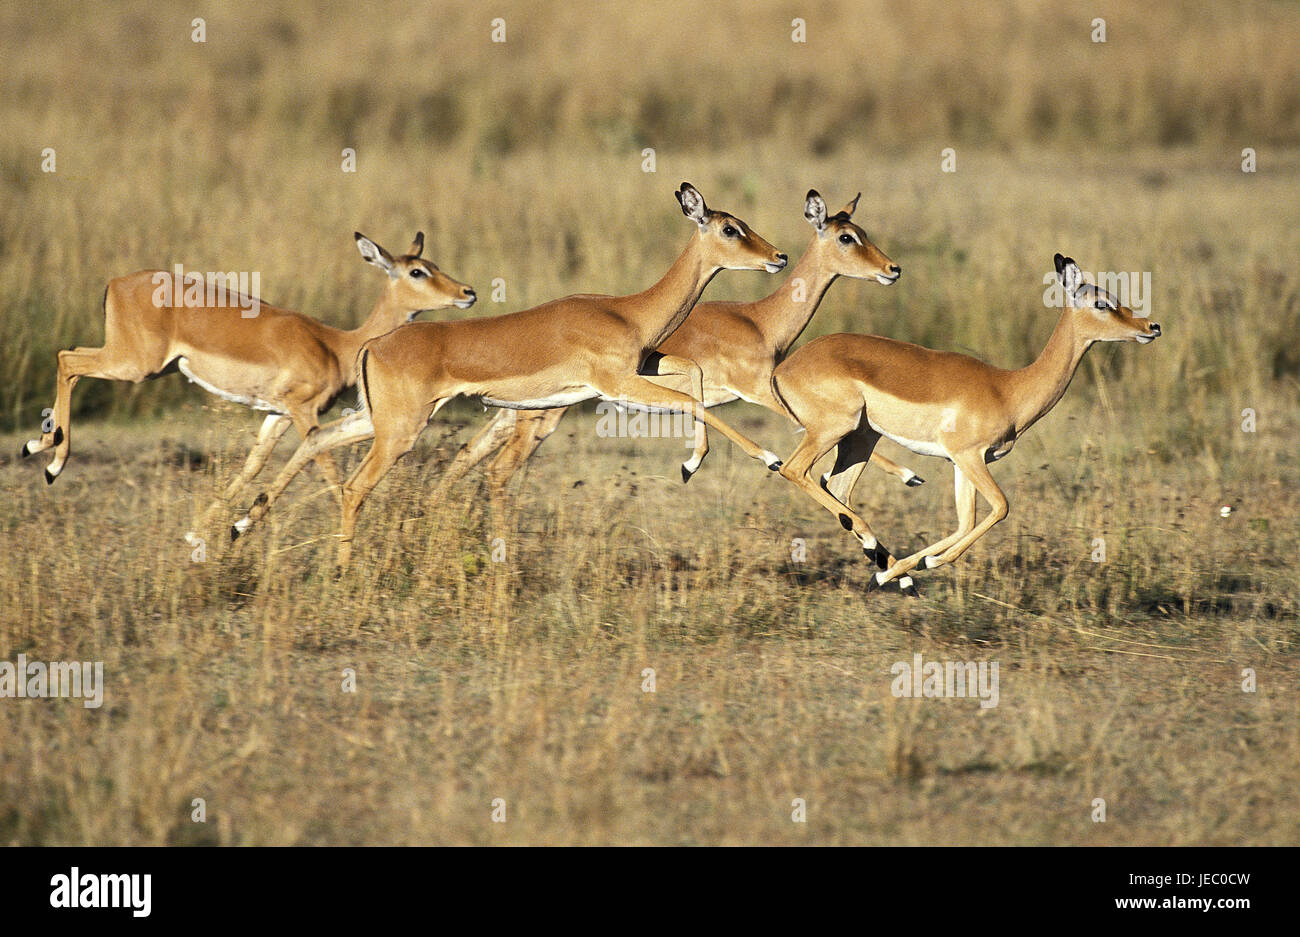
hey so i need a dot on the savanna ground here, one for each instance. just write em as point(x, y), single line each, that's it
point(523, 679)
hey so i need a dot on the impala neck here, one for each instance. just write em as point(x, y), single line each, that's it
point(666, 305)
point(382, 320)
point(782, 317)
point(1038, 387)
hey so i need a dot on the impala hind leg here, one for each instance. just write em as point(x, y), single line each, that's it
point(851, 457)
point(661, 365)
point(75, 364)
point(840, 481)
point(853, 445)
point(970, 474)
point(901, 472)
point(637, 389)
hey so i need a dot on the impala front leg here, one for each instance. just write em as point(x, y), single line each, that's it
point(489, 439)
point(531, 430)
point(392, 441)
point(270, 432)
point(970, 474)
point(350, 429)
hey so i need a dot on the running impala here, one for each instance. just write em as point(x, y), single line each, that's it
point(554, 355)
point(736, 345)
point(278, 361)
point(847, 391)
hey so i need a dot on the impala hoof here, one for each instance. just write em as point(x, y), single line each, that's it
point(234, 533)
point(908, 587)
point(25, 451)
point(915, 481)
point(238, 527)
point(774, 466)
point(49, 477)
point(878, 555)
point(686, 474)
point(873, 582)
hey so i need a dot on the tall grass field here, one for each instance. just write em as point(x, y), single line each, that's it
point(616, 657)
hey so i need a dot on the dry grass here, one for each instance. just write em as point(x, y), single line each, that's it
point(522, 680)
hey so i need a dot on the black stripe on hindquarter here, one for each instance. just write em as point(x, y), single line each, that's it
point(365, 381)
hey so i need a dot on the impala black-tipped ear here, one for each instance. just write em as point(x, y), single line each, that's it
point(692, 203)
point(814, 209)
point(848, 210)
point(373, 253)
point(1070, 275)
point(417, 246)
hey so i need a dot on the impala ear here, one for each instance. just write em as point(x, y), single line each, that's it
point(692, 203)
point(374, 254)
point(848, 210)
point(1070, 275)
point(814, 209)
point(417, 246)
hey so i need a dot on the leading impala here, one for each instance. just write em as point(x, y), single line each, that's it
point(736, 345)
point(849, 390)
point(280, 361)
point(554, 355)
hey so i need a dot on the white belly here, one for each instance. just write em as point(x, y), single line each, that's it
point(567, 399)
point(183, 365)
point(921, 448)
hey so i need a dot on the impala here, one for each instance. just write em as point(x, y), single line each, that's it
point(736, 345)
point(279, 361)
point(554, 355)
point(847, 391)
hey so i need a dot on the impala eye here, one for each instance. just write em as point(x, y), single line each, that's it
point(416, 273)
point(846, 239)
point(729, 231)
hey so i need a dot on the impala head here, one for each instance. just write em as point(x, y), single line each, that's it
point(414, 284)
point(1097, 314)
point(728, 242)
point(849, 251)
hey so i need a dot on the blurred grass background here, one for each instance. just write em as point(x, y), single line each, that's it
point(523, 161)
